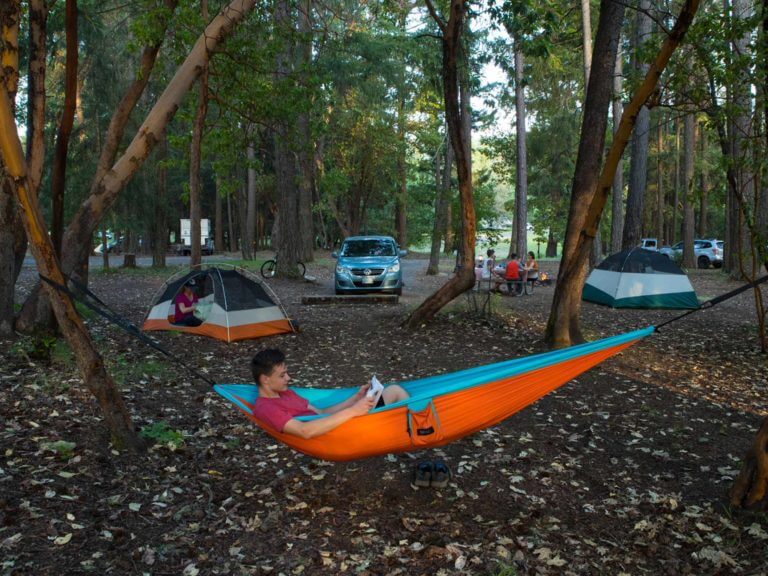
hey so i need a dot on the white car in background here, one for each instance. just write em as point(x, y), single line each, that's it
point(708, 252)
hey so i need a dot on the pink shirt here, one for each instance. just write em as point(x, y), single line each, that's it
point(181, 298)
point(277, 411)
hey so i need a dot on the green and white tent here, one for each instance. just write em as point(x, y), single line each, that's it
point(639, 278)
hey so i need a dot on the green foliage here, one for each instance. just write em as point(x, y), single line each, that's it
point(161, 433)
point(504, 569)
point(123, 369)
point(61, 448)
point(40, 346)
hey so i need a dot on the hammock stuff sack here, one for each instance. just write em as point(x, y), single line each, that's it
point(233, 305)
point(441, 408)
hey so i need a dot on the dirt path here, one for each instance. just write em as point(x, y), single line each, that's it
point(624, 470)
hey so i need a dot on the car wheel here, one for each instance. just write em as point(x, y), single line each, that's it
point(703, 262)
point(399, 291)
point(340, 292)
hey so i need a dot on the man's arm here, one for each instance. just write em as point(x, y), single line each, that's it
point(343, 404)
point(320, 426)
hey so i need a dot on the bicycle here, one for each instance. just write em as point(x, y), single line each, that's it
point(269, 268)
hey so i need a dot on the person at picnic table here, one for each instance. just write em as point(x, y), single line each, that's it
point(279, 407)
point(531, 267)
point(512, 269)
point(185, 304)
point(489, 265)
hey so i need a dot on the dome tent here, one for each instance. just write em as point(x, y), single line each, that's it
point(639, 278)
point(233, 305)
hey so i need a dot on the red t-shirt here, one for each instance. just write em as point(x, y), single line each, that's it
point(277, 411)
point(512, 271)
point(181, 298)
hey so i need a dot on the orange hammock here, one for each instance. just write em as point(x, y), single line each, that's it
point(441, 408)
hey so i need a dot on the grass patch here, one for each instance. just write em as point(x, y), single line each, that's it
point(61, 448)
point(124, 370)
point(161, 433)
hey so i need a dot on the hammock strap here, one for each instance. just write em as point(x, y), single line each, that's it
point(717, 300)
point(111, 316)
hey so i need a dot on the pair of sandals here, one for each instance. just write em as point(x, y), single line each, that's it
point(431, 473)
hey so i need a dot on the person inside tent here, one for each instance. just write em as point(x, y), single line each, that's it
point(278, 406)
point(185, 304)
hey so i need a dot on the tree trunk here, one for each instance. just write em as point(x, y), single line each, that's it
point(401, 196)
point(750, 488)
point(741, 135)
point(457, 115)
point(246, 246)
point(286, 243)
point(88, 360)
point(438, 227)
point(304, 141)
point(521, 181)
point(195, 153)
point(249, 227)
point(563, 325)
point(590, 195)
point(660, 236)
point(617, 206)
point(703, 183)
point(10, 16)
point(231, 225)
point(105, 189)
point(160, 221)
point(586, 38)
point(66, 121)
point(689, 135)
point(674, 233)
point(638, 166)
point(218, 231)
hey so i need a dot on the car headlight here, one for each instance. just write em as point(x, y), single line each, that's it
point(341, 269)
point(395, 267)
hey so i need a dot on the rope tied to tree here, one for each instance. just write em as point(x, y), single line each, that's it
point(103, 310)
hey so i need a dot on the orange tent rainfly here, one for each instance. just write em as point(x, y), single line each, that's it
point(440, 408)
point(233, 304)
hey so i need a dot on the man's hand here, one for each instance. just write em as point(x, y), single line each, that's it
point(362, 391)
point(362, 406)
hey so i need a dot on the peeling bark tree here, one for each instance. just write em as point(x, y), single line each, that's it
point(458, 129)
point(111, 178)
point(751, 486)
point(590, 195)
point(10, 15)
point(88, 359)
point(77, 240)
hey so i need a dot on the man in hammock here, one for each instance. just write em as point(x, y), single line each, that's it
point(278, 406)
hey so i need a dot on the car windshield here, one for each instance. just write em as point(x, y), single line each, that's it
point(369, 247)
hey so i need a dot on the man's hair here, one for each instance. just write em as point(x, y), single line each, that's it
point(513, 255)
point(490, 252)
point(265, 361)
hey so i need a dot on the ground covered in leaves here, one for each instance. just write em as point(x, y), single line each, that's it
point(623, 471)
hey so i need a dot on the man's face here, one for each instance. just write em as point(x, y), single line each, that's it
point(278, 380)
